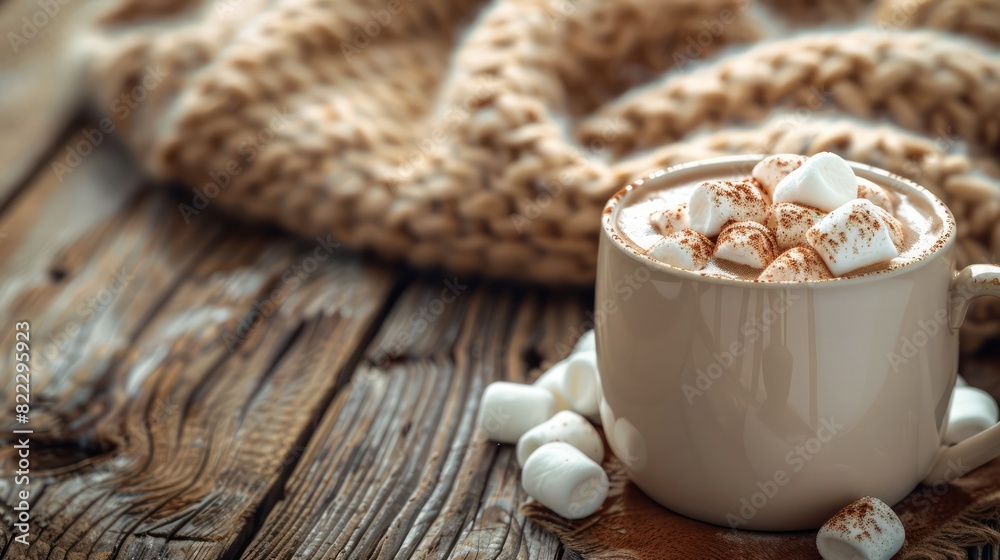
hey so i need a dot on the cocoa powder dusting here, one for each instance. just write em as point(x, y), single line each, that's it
point(798, 264)
point(859, 516)
point(787, 163)
point(742, 194)
point(788, 222)
point(750, 237)
point(701, 246)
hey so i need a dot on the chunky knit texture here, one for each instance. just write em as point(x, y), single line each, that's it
point(487, 138)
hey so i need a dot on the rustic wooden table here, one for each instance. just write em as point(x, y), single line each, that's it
point(204, 389)
point(210, 390)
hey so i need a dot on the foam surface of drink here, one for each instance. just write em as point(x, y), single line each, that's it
point(922, 229)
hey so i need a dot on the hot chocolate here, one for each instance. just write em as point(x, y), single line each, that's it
point(791, 219)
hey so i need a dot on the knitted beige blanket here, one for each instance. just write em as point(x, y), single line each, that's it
point(486, 138)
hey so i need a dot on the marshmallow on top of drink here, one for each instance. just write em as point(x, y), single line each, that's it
point(795, 218)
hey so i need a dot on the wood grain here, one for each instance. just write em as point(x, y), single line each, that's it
point(168, 415)
point(397, 469)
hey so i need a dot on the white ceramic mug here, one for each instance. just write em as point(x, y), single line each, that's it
point(770, 406)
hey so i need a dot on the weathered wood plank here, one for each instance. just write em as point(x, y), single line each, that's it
point(51, 280)
point(168, 415)
point(246, 415)
point(397, 469)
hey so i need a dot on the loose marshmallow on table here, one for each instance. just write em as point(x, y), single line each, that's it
point(747, 243)
point(772, 169)
point(972, 411)
point(824, 181)
point(853, 236)
point(566, 426)
point(573, 383)
point(510, 409)
point(671, 220)
point(685, 249)
point(798, 264)
point(791, 221)
point(713, 204)
point(879, 196)
point(867, 529)
point(563, 479)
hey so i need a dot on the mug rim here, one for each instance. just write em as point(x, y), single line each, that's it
point(610, 230)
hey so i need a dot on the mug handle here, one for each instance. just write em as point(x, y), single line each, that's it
point(974, 281)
